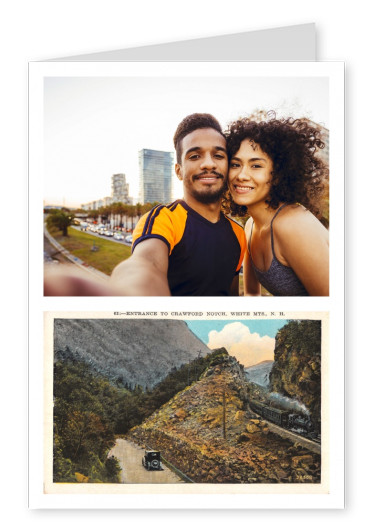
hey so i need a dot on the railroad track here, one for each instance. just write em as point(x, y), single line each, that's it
point(309, 444)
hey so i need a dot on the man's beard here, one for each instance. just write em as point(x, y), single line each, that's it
point(211, 195)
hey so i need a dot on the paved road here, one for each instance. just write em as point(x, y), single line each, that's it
point(130, 456)
point(110, 238)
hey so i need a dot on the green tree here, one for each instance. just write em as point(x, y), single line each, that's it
point(60, 220)
point(93, 214)
point(104, 213)
point(117, 211)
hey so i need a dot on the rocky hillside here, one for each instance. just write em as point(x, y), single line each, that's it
point(134, 352)
point(208, 432)
point(296, 372)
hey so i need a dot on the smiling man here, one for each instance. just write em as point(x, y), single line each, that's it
point(189, 247)
point(186, 248)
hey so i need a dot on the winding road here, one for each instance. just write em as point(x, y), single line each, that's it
point(130, 456)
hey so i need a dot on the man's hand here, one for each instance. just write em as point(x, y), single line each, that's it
point(145, 272)
point(69, 281)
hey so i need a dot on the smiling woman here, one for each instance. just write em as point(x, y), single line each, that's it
point(250, 175)
point(276, 178)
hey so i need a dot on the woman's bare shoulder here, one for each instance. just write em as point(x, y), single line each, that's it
point(296, 219)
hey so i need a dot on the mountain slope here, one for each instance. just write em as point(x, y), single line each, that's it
point(135, 351)
point(209, 432)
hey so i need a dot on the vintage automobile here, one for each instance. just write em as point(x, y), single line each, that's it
point(152, 460)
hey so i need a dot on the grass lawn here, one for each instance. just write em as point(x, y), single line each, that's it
point(78, 243)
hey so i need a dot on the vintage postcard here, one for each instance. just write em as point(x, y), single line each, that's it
point(186, 403)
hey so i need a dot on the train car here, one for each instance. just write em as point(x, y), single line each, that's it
point(278, 416)
point(296, 422)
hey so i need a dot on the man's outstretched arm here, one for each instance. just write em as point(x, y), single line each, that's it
point(145, 272)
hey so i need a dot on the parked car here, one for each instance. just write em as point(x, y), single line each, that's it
point(118, 236)
point(128, 239)
point(108, 232)
point(152, 460)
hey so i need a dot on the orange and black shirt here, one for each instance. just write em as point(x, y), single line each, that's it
point(204, 257)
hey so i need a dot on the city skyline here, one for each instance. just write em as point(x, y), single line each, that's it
point(119, 194)
point(95, 127)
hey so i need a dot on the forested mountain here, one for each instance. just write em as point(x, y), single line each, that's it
point(296, 371)
point(85, 412)
point(89, 410)
point(130, 351)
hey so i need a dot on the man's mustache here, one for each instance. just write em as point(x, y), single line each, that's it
point(206, 173)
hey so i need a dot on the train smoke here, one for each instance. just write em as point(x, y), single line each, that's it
point(289, 403)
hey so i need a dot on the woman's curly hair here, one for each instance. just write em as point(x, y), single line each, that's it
point(298, 174)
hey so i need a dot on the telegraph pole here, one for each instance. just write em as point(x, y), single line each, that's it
point(224, 414)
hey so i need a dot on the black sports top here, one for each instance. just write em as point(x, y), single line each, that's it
point(204, 257)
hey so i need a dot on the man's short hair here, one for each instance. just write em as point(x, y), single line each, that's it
point(190, 124)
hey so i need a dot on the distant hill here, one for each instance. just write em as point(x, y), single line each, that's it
point(133, 351)
point(259, 374)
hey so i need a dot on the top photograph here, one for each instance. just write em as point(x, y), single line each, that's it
point(186, 185)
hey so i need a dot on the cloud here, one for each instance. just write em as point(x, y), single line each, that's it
point(239, 342)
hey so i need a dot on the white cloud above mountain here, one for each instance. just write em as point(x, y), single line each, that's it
point(248, 348)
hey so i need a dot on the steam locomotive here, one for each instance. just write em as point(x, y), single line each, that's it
point(296, 422)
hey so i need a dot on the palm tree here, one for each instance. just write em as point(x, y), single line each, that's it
point(61, 220)
point(132, 213)
point(93, 213)
point(104, 212)
point(119, 210)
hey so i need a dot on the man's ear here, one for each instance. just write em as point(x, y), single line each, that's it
point(178, 172)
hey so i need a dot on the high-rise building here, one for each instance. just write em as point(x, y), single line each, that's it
point(120, 189)
point(120, 194)
point(156, 174)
